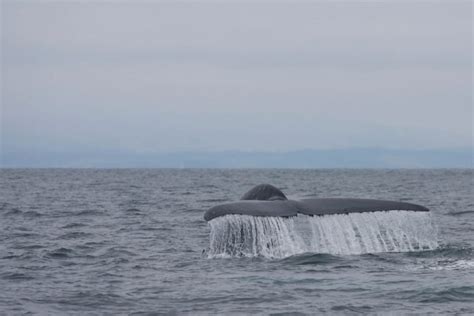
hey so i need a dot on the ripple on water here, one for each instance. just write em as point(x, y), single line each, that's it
point(4, 205)
point(452, 294)
point(91, 299)
point(90, 212)
point(32, 214)
point(460, 213)
point(193, 210)
point(352, 308)
point(60, 253)
point(74, 235)
point(449, 250)
point(456, 265)
point(16, 276)
point(312, 259)
point(26, 235)
point(26, 214)
point(74, 225)
point(114, 252)
point(213, 200)
point(13, 211)
point(133, 211)
point(30, 247)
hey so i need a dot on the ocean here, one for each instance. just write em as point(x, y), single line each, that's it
point(134, 241)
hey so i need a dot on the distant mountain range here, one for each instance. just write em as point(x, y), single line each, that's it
point(334, 158)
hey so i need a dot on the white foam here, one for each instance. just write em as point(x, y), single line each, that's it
point(242, 235)
point(457, 265)
point(355, 233)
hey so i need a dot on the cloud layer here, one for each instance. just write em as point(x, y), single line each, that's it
point(162, 77)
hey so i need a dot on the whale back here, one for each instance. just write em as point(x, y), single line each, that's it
point(264, 192)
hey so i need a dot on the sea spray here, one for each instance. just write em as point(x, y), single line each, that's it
point(355, 233)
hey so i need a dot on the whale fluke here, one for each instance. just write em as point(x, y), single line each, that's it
point(266, 200)
point(254, 208)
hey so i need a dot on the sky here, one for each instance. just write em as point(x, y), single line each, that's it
point(157, 77)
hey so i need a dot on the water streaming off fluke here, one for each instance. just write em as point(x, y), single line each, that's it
point(355, 233)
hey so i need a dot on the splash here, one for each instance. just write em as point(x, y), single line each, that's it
point(355, 233)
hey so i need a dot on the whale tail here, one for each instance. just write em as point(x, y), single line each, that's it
point(266, 200)
point(266, 223)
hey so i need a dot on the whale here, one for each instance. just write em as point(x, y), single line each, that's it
point(265, 200)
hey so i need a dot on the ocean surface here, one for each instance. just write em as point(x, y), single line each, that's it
point(134, 241)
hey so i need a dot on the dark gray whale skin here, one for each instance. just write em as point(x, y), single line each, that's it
point(266, 200)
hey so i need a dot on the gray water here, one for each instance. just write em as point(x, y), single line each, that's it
point(134, 242)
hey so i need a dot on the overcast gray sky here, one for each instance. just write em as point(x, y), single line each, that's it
point(161, 77)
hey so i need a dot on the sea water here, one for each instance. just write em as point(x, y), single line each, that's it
point(134, 241)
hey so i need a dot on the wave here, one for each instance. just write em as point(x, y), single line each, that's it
point(89, 212)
